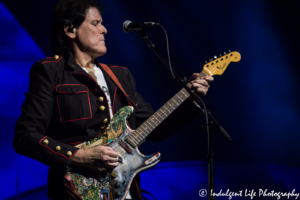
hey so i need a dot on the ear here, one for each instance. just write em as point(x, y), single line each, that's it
point(70, 31)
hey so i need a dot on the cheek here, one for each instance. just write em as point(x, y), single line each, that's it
point(94, 38)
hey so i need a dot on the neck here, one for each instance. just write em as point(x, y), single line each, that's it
point(82, 59)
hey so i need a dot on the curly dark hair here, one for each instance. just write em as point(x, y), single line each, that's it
point(68, 12)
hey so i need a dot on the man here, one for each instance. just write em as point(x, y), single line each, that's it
point(71, 99)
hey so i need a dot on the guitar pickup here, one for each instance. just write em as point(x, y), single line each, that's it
point(125, 146)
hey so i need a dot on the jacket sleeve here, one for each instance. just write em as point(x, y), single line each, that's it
point(173, 123)
point(30, 139)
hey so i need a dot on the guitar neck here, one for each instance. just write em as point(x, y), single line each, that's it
point(139, 135)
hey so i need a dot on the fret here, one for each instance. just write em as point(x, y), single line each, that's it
point(204, 73)
point(179, 97)
point(150, 124)
point(152, 119)
point(171, 105)
point(134, 135)
point(183, 92)
point(133, 141)
point(144, 128)
point(160, 115)
point(167, 108)
point(142, 133)
point(138, 138)
point(156, 117)
point(175, 102)
point(147, 127)
point(163, 112)
point(138, 134)
point(186, 93)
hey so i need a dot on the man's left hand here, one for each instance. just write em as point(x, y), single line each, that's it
point(200, 85)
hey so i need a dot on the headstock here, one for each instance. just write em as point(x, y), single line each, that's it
point(218, 66)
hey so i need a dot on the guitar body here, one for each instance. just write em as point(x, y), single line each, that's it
point(88, 183)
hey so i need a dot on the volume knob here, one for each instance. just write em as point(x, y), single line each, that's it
point(117, 184)
point(118, 194)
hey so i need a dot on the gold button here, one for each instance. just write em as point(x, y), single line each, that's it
point(101, 99)
point(57, 148)
point(102, 126)
point(105, 121)
point(69, 154)
point(102, 108)
point(56, 57)
point(45, 141)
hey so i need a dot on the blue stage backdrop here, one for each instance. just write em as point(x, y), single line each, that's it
point(256, 100)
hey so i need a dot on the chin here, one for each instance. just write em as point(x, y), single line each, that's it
point(101, 52)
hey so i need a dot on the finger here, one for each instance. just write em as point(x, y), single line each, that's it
point(198, 83)
point(109, 151)
point(112, 154)
point(202, 91)
point(107, 158)
point(113, 164)
point(208, 78)
point(195, 75)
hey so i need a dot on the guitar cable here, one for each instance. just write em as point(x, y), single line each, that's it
point(204, 111)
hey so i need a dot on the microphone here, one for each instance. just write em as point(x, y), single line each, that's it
point(130, 26)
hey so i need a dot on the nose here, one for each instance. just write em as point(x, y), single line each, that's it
point(104, 30)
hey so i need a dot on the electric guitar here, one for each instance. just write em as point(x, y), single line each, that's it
point(101, 184)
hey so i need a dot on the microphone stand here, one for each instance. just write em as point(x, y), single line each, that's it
point(213, 124)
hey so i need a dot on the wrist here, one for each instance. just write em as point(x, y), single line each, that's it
point(78, 158)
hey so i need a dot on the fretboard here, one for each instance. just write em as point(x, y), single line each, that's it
point(139, 135)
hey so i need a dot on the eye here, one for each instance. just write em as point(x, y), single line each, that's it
point(95, 23)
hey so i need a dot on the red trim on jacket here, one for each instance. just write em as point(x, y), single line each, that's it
point(113, 106)
point(100, 133)
point(87, 91)
point(100, 89)
point(70, 92)
point(55, 151)
point(117, 67)
point(52, 60)
point(74, 143)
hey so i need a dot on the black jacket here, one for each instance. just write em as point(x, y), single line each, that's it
point(62, 109)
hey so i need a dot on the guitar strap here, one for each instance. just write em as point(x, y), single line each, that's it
point(114, 78)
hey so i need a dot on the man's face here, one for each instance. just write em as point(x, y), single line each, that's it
point(90, 34)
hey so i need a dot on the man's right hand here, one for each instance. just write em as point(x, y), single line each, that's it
point(96, 157)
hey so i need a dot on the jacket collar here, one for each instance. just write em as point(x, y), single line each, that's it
point(72, 63)
point(77, 69)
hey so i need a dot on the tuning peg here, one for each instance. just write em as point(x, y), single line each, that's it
point(215, 57)
point(229, 50)
point(211, 59)
point(220, 55)
point(224, 53)
point(205, 61)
